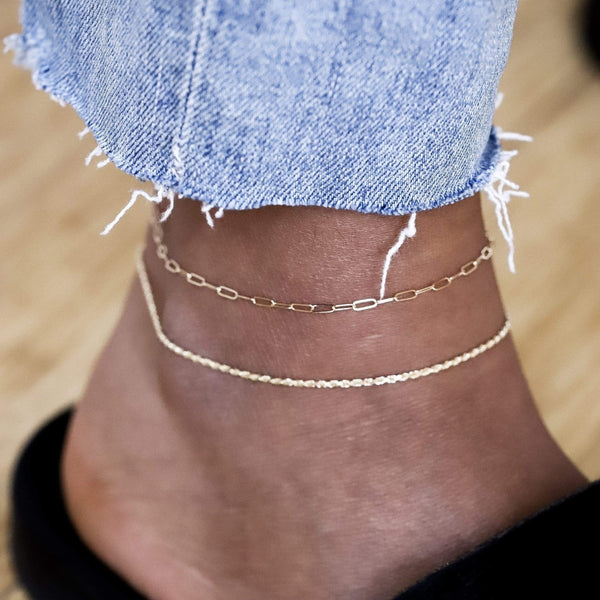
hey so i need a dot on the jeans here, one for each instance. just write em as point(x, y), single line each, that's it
point(375, 106)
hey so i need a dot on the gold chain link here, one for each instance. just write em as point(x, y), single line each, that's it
point(319, 308)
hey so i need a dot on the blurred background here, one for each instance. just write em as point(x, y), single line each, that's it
point(61, 284)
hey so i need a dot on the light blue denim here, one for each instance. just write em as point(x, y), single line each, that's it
point(377, 106)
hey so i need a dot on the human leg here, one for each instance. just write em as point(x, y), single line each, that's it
point(296, 342)
point(277, 492)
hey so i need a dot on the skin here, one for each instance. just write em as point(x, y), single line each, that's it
point(195, 484)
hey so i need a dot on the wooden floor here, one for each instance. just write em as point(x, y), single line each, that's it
point(62, 284)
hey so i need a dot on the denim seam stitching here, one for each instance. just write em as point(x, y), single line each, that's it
point(197, 23)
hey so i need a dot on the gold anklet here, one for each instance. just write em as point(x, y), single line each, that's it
point(320, 308)
point(303, 383)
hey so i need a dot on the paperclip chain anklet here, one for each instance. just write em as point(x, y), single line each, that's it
point(303, 383)
point(224, 291)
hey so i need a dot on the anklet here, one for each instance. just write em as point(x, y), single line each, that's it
point(320, 308)
point(303, 383)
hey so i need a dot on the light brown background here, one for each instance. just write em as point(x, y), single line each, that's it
point(61, 284)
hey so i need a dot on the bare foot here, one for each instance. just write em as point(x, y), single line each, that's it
point(195, 484)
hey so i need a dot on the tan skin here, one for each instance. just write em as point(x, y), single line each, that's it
point(194, 485)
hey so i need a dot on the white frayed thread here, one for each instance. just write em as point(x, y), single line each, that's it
point(178, 169)
point(12, 43)
point(206, 208)
point(162, 193)
point(27, 53)
point(102, 163)
point(500, 190)
point(511, 135)
point(407, 232)
point(57, 100)
point(26, 57)
point(95, 152)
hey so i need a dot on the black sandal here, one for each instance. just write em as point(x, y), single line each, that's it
point(552, 554)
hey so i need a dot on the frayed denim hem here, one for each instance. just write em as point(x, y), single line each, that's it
point(378, 107)
point(30, 52)
point(418, 137)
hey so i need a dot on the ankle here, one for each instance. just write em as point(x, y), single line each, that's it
point(351, 475)
point(435, 327)
point(488, 395)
